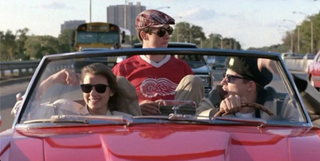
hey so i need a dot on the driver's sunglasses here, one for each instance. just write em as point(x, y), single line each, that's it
point(87, 88)
point(162, 31)
point(231, 78)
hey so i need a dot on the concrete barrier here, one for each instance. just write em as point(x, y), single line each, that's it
point(297, 64)
point(17, 68)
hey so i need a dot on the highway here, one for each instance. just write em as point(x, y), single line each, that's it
point(8, 95)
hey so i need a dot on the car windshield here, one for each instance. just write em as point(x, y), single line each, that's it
point(47, 100)
point(194, 61)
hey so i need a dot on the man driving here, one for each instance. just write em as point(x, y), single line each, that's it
point(244, 82)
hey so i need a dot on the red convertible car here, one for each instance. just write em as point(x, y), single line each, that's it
point(314, 71)
point(53, 124)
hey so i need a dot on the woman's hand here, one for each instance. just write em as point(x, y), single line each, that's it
point(66, 76)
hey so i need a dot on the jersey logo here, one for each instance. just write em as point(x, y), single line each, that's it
point(152, 87)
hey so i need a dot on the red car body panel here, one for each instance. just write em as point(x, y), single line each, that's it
point(314, 70)
point(160, 142)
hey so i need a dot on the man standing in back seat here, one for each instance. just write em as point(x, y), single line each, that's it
point(158, 77)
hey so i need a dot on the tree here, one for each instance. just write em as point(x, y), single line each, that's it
point(185, 32)
point(135, 39)
point(22, 37)
point(65, 39)
point(8, 45)
point(305, 35)
point(214, 41)
point(38, 46)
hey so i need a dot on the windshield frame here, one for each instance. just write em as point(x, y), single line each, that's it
point(283, 71)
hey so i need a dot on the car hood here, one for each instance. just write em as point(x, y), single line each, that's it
point(162, 142)
point(203, 69)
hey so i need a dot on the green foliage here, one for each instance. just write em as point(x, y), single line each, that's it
point(186, 32)
point(19, 45)
point(135, 39)
point(38, 46)
point(304, 45)
point(65, 39)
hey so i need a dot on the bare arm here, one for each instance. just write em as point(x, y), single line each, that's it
point(269, 64)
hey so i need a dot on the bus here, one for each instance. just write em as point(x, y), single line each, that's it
point(101, 35)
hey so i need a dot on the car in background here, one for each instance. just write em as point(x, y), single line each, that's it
point(216, 61)
point(291, 55)
point(314, 71)
point(196, 62)
point(309, 56)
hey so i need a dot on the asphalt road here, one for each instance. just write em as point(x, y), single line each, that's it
point(7, 101)
point(8, 95)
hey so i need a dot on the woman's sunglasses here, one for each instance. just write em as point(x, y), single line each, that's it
point(162, 31)
point(231, 78)
point(100, 88)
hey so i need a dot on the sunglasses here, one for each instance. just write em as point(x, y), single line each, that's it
point(231, 78)
point(87, 88)
point(162, 31)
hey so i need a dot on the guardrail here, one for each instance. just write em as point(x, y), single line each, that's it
point(297, 64)
point(18, 68)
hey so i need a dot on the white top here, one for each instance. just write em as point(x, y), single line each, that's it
point(63, 107)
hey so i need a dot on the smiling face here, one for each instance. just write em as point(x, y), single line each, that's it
point(97, 102)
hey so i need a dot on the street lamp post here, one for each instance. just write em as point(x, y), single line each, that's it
point(90, 11)
point(211, 41)
point(221, 41)
point(291, 37)
point(298, 27)
point(178, 29)
point(190, 33)
point(125, 14)
point(311, 28)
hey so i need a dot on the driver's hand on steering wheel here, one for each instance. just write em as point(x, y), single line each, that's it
point(149, 107)
point(232, 104)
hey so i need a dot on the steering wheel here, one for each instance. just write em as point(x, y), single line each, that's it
point(248, 104)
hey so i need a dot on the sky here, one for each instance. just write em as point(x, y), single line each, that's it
point(254, 23)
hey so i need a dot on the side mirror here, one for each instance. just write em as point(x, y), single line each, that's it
point(0, 121)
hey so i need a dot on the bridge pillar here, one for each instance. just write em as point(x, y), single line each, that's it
point(20, 72)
